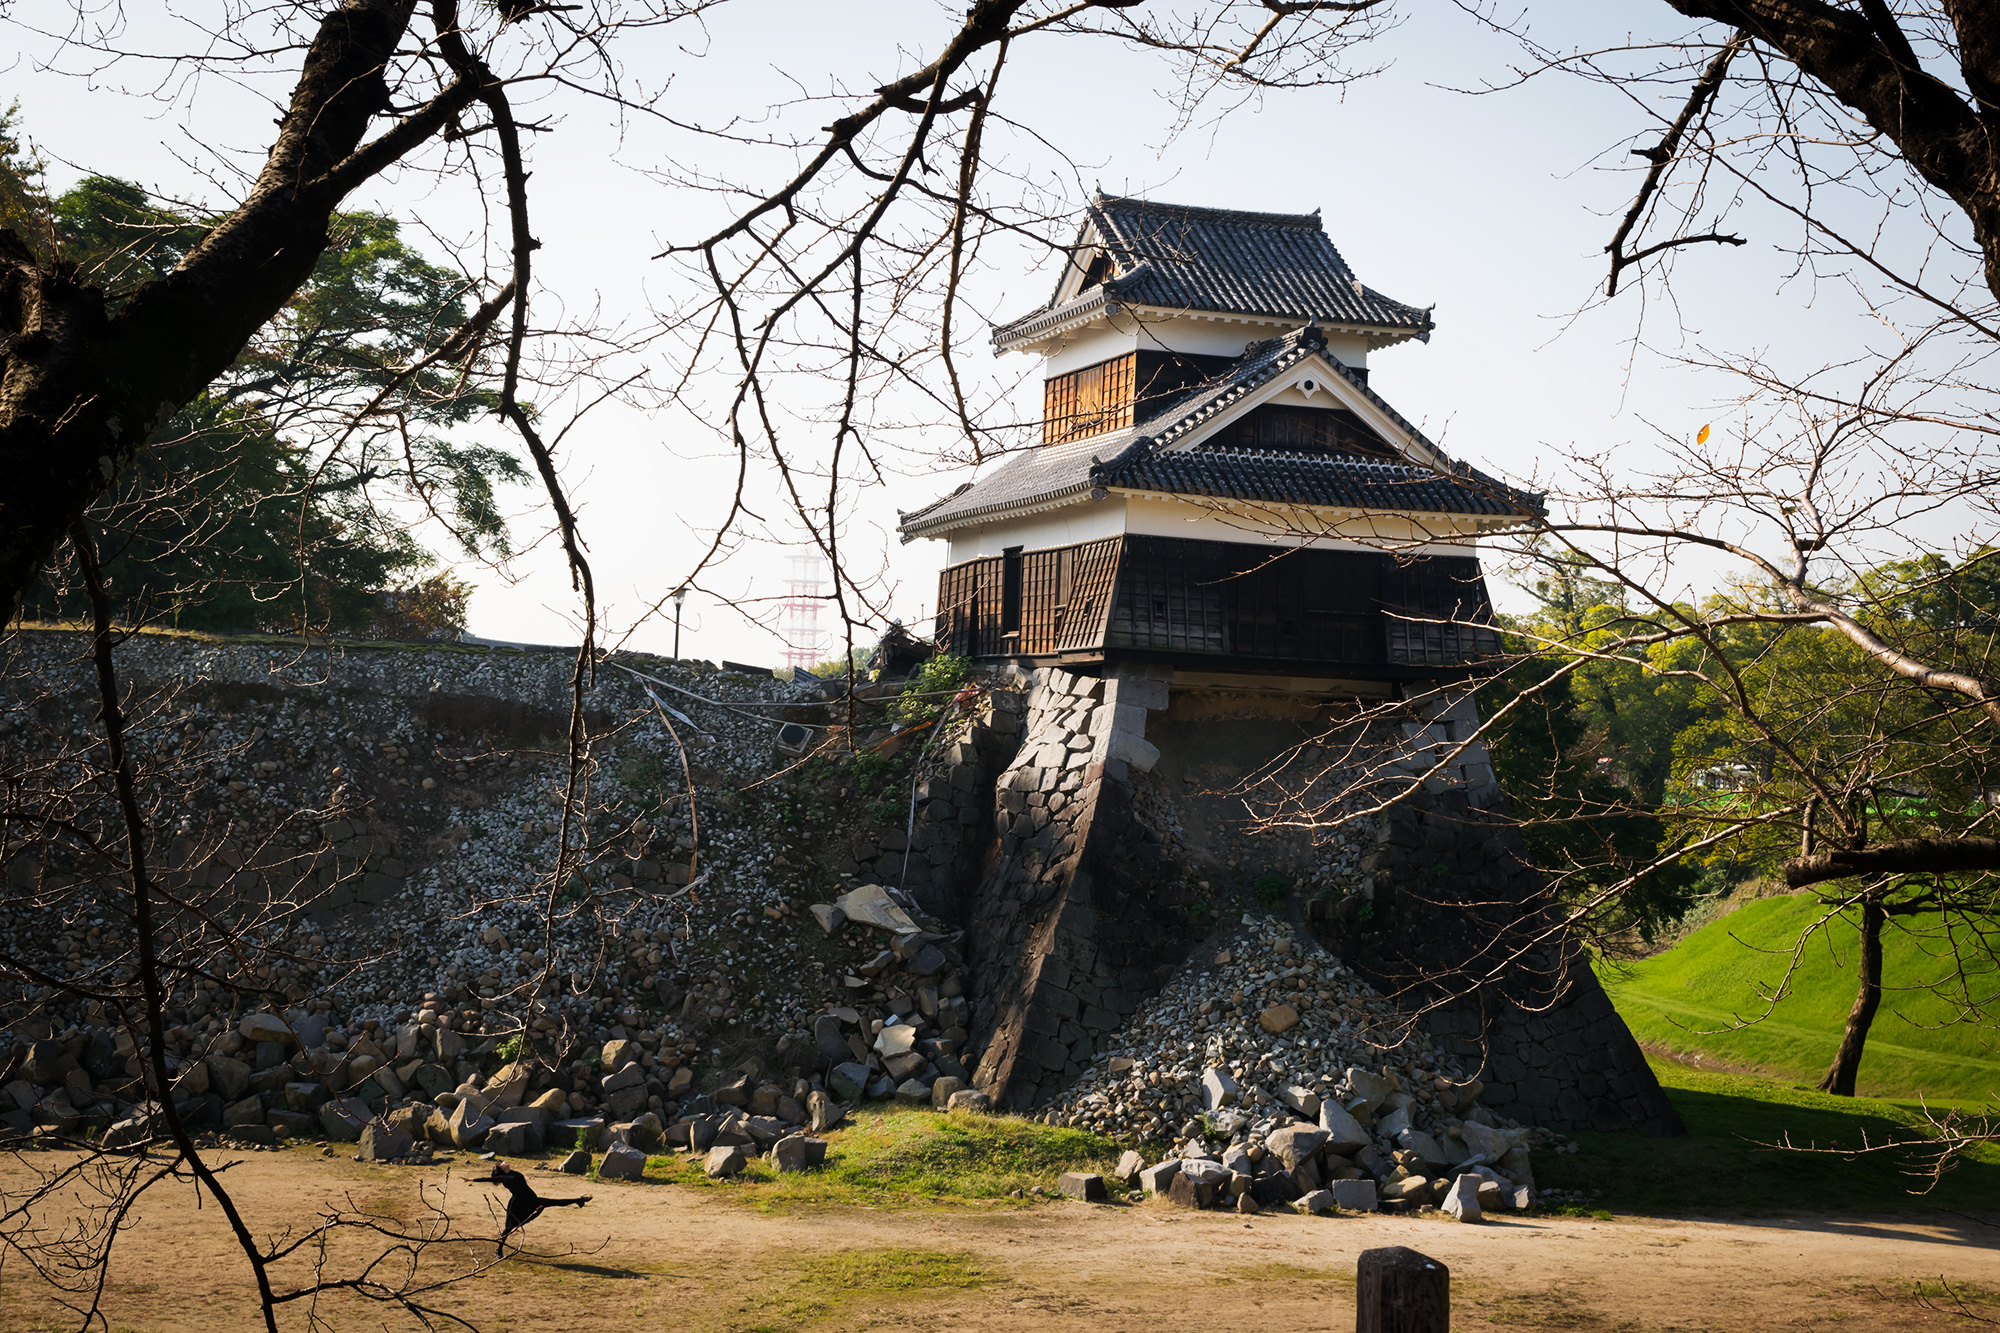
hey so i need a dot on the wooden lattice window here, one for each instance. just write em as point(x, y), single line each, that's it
point(1089, 401)
point(1438, 613)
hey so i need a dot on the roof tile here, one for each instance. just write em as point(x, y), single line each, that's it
point(1179, 257)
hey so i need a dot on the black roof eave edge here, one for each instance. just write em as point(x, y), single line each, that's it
point(1051, 319)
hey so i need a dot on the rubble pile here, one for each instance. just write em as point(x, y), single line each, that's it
point(446, 983)
point(1284, 1072)
point(400, 1088)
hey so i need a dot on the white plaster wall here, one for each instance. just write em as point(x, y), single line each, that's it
point(1165, 517)
point(1126, 332)
point(1087, 346)
point(1086, 520)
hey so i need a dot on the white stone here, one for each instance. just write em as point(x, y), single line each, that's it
point(1140, 753)
point(1462, 1199)
point(871, 905)
point(1344, 1133)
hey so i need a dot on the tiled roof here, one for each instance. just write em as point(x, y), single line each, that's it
point(1142, 459)
point(1177, 257)
point(1335, 481)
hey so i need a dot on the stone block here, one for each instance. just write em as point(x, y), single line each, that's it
point(384, 1143)
point(1462, 1199)
point(1134, 751)
point(1158, 1177)
point(1136, 691)
point(345, 1118)
point(1083, 1185)
point(621, 1161)
point(1356, 1196)
point(263, 1027)
point(1294, 1144)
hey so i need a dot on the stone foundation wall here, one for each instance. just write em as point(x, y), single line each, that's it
point(1078, 916)
point(1452, 902)
point(1088, 900)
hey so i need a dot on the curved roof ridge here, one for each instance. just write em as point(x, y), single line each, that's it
point(1247, 217)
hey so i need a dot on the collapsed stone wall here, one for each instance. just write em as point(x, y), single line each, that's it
point(1095, 889)
point(1457, 925)
point(1066, 823)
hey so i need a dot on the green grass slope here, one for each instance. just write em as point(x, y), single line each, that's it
point(1685, 1000)
point(1730, 1162)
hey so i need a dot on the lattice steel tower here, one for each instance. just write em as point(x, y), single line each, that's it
point(804, 596)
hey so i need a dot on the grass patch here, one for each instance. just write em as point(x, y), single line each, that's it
point(905, 1156)
point(1676, 1000)
point(827, 1285)
point(1721, 1163)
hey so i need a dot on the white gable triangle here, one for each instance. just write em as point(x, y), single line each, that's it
point(1316, 381)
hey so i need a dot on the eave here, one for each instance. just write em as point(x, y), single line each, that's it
point(1032, 332)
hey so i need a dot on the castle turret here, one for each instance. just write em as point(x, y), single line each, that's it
point(1216, 485)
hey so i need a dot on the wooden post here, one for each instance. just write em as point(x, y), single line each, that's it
point(1397, 1290)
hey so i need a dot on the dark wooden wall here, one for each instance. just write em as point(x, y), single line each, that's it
point(1351, 609)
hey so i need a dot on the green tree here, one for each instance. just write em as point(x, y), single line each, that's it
point(1812, 763)
point(24, 210)
point(254, 507)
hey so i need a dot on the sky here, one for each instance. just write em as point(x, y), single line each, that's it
point(1496, 207)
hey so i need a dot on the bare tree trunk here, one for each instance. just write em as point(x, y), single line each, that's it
point(1839, 1079)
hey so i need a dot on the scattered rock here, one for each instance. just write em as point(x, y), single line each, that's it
point(895, 1040)
point(621, 1161)
point(265, 1027)
point(788, 1154)
point(1462, 1199)
point(1278, 1018)
point(382, 1142)
point(1082, 1185)
point(1356, 1196)
point(970, 1099)
point(1295, 1143)
point(724, 1161)
point(345, 1118)
point(467, 1124)
point(575, 1164)
point(1315, 1202)
point(871, 905)
point(849, 1082)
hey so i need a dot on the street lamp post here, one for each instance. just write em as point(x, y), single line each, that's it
point(680, 595)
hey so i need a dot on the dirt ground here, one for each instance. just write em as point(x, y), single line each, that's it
point(645, 1256)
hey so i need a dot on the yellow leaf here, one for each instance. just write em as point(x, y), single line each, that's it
point(1701, 436)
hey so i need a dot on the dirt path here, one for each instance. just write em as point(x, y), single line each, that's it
point(655, 1256)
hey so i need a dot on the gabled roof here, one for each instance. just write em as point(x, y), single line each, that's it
point(1165, 454)
point(1278, 266)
